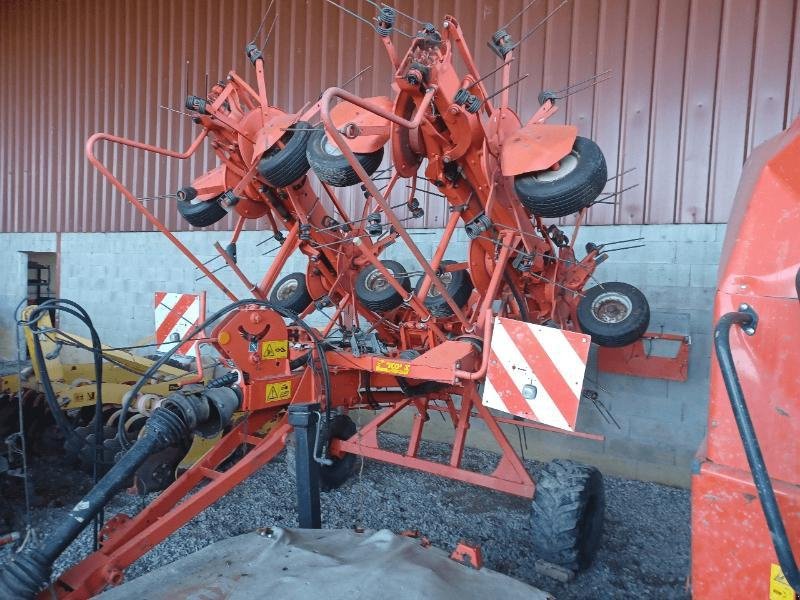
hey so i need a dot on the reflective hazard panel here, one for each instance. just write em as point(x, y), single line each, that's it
point(536, 372)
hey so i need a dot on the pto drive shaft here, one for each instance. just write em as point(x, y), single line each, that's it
point(182, 413)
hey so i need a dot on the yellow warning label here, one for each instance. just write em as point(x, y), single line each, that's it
point(393, 367)
point(778, 588)
point(277, 392)
point(274, 349)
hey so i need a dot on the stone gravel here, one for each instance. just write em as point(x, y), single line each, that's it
point(644, 552)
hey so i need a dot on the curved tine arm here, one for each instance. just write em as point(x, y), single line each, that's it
point(98, 137)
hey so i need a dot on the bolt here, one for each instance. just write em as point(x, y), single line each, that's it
point(743, 307)
point(749, 330)
point(255, 318)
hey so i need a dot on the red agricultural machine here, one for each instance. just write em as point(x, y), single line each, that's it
point(502, 336)
point(746, 483)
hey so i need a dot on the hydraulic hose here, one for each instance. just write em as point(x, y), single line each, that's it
point(747, 320)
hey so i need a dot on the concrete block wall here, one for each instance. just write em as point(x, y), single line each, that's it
point(659, 424)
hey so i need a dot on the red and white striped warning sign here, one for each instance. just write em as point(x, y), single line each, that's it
point(175, 315)
point(536, 372)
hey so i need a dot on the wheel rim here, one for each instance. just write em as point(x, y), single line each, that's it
point(286, 289)
point(376, 282)
point(566, 166)
point(611, 307)
point(446, 278)
point(330, 148)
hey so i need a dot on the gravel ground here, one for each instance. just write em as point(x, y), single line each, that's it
point(644, 553)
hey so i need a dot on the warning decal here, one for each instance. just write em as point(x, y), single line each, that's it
point(274, 349)
point(778, 588)
point(393, 367)
point(280, 391)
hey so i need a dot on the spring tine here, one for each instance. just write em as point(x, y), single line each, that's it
point(351, 13)
point(270, 251)
point(539, 24)
point(269, 33)
point(411, 187)
point(505, 87)
point(602, 199)
point(638, 239)
point(175, 110)
point(203, 276)
point(263, 20)
point(356, 76)
point(161, 197)
point(621, 174)
point(625, 248)
point(582, 89)
point(492, 72)
point(587, 80)
point(519, 14)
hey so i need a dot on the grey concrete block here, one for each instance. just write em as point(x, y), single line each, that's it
point(640, 451)
point(703, 253)
point(703, 275)
point(655, 430)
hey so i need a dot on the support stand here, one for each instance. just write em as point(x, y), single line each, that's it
point(303, 417)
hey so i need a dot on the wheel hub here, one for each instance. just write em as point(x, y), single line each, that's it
point(286, 290)
point(566, 166)
point(611, 307)
point(446, 278)
point(376, 282)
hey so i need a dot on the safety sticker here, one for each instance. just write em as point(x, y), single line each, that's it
point(277, 392)
point(393, 367)
point(779, 589)
point(274, 349)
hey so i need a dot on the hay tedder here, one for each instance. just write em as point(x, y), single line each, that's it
point(501, 335)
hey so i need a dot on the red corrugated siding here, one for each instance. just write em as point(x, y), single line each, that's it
point(696, 84)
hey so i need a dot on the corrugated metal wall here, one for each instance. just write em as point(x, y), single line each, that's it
point(696, 84)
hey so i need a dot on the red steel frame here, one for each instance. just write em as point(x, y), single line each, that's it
point(454, 350)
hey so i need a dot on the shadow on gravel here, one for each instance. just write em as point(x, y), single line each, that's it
point(644, 553)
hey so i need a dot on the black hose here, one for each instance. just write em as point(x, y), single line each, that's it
point(76, 310)
point(752, 449)
point(519, 299)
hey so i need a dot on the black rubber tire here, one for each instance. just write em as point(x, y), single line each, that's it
point(620, 333)
point(569, 194)
point(385, 298)
point(283, 166)
point(567, 514)
point(332, 167)
point(335, 475)
point(459, 287)
point(296, 300)
point(203, 213)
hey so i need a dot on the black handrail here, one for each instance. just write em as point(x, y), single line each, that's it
point(747, 319)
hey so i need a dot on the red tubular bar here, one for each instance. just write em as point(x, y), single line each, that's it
point(325, 108)
point(139, 206)
point(171, 509)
